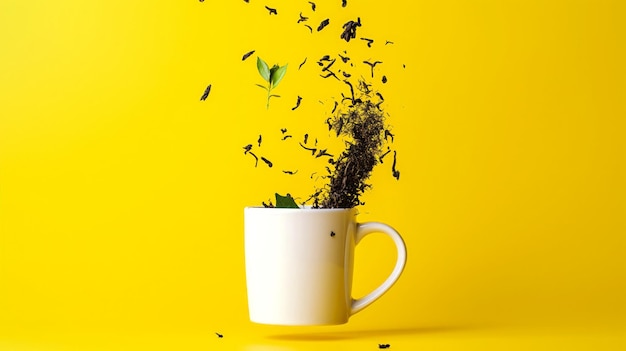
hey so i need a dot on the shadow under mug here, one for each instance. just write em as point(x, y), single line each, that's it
point(299, 264)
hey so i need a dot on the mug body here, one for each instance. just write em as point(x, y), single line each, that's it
point(299, 265)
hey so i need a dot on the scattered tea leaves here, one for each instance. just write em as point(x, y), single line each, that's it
point(206, 93)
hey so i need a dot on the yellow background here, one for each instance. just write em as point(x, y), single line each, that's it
point(122, 195)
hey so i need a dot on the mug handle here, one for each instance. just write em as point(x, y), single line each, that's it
point(364, 229)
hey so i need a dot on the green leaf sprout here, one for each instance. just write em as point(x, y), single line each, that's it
point(285, 201)
point(272, 76)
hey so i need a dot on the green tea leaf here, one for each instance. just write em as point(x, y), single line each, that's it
point(264, 70)
point(278, 75)
point(260, 86)
point(285, 201)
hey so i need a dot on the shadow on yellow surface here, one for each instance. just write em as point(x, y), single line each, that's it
point(367, 333)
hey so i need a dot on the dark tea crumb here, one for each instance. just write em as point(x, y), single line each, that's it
point(287, 137)
point(323, 153)
point(310, 29)
point(312, 5)
point(290, 172)
point(384, 346)
point(330, 74)
point(260, 139)
point(271, 10)
point(349, 30)
point(372, 65)
point(369, 42)
point(246, 55)
point(394, 171)
point(388, 42)
point(306, 137)
point(313, 150)
point(332, 234)
point(344, 3)
point(256, 159)
point(297, 103)
point(247, 148)
point(219, 335)
point(380, 159)
point(206, 93)
point(388, 134)
point(283, 130)
point(302, 18)
point(269, 164)
point(303, 62)
point(345, 59)
point(323, 24)
point(327, 67)
point(384, 80)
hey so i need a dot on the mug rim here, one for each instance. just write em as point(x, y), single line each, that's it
point(307, 208)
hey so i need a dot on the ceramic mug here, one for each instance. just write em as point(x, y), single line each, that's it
point(299, 264)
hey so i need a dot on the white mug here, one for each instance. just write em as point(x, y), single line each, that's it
point(299, 264)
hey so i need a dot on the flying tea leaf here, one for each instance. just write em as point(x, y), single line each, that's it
point(264, 70)
point(278, 75)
